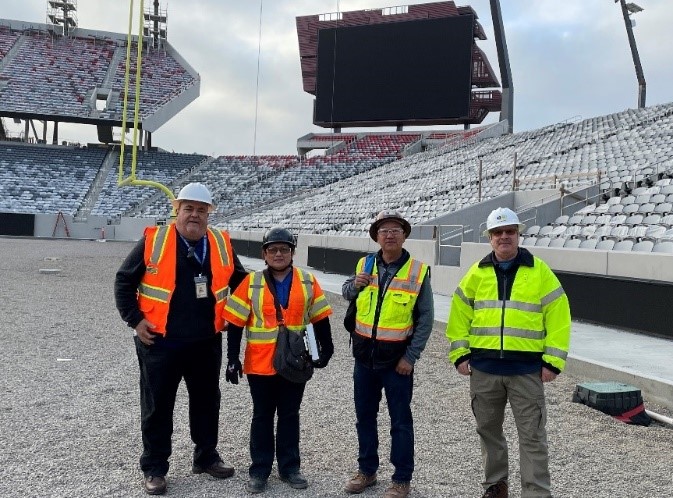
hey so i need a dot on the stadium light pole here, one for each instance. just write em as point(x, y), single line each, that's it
point(627, 10)
point(507, 107)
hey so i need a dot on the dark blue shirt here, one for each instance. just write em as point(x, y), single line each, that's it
point(283, 290)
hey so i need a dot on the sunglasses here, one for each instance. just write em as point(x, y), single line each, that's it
point(507, 231)
point(281, 250)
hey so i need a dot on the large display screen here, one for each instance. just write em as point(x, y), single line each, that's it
point(394, 73)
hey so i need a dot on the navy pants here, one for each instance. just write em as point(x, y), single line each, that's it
point(273, 395)
point(162, 366)
point(368, 386)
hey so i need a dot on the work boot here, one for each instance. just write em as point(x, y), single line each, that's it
point(295, 480)
point(255, 485)
point(398, 490)
point(359, 482)
point(497, 490)
point(154, 485)
point(216, 469)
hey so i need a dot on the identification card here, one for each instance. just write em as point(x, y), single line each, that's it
point(201, 284)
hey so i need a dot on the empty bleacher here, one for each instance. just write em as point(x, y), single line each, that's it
point(636, 221)
point(162, 79)
point(54, 75)
point(46, 179)
point(162, 167)
point(606, 149)
point(58, 76)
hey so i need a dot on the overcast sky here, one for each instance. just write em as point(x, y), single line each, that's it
point(569, 59)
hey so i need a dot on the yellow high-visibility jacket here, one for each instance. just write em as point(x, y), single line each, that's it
point(533, 321)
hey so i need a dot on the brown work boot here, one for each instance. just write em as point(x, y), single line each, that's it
point(498, 490)
point(398, 490)
point(359, 482)
point(154, 485)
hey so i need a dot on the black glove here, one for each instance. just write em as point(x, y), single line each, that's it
point(320, 362)
point(234, 371)
point(323, 336)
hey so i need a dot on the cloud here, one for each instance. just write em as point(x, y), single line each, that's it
point(568, 58)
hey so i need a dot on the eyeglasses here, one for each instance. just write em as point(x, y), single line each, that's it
point(280, 249)
point(507, 231)
point(390, 231)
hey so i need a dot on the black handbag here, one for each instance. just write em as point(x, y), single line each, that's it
point(349, 318)
point(290, 359)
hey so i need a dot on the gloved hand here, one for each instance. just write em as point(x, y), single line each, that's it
point(323, 360)
point(320, 363)
point(234, 371)
point(323, 336)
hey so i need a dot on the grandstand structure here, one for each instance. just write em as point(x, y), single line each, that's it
point(79, 78)
point(596, 193)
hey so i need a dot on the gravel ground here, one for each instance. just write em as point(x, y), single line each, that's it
point(70, 417)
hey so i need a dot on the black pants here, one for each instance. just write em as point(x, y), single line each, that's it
point(273, 394)
point(162, 366)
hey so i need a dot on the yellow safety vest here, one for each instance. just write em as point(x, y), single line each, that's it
point(395, 321)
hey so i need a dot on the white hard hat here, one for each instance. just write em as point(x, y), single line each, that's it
point(502, 217)
point(194, 192)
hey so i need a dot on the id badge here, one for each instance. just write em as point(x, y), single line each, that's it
point(201, 284)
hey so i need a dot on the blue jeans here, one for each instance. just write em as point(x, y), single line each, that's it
point(368, 384)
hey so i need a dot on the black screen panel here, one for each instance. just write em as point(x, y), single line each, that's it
point(395, 72)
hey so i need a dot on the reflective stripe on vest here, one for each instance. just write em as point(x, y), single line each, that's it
point(156, 288)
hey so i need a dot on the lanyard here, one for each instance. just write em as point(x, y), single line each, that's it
point(198, 251)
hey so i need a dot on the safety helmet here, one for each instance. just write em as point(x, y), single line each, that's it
point(194, 192)
point(502, 217)
point(389, 215)
point(278, 234)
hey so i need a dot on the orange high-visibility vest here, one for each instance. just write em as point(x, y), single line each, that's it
point(158, 283)
point(252, 306)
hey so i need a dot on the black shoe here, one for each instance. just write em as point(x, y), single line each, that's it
point(255, 485)
point(154, 485)
point(216, 469)
point(295, 480)
point(498, 490)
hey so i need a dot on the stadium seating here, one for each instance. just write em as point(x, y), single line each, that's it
point(56, 76)
point(46, 179)
point(162, 167)
point(64, 69)
point(425, 185)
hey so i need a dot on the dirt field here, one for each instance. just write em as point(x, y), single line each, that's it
point(70, 417)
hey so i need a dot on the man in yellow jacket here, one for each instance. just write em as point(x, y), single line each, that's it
point(509, 329)
point(171, 290)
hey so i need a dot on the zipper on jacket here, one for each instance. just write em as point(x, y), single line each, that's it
point(374, 327)
point(502, 316)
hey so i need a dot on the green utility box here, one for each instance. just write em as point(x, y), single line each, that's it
point(612, 398)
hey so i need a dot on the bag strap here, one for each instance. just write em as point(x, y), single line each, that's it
point(272, 288)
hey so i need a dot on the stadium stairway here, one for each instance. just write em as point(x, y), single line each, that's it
point(596, 352)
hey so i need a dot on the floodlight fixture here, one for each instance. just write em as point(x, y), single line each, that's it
point(633, 8)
